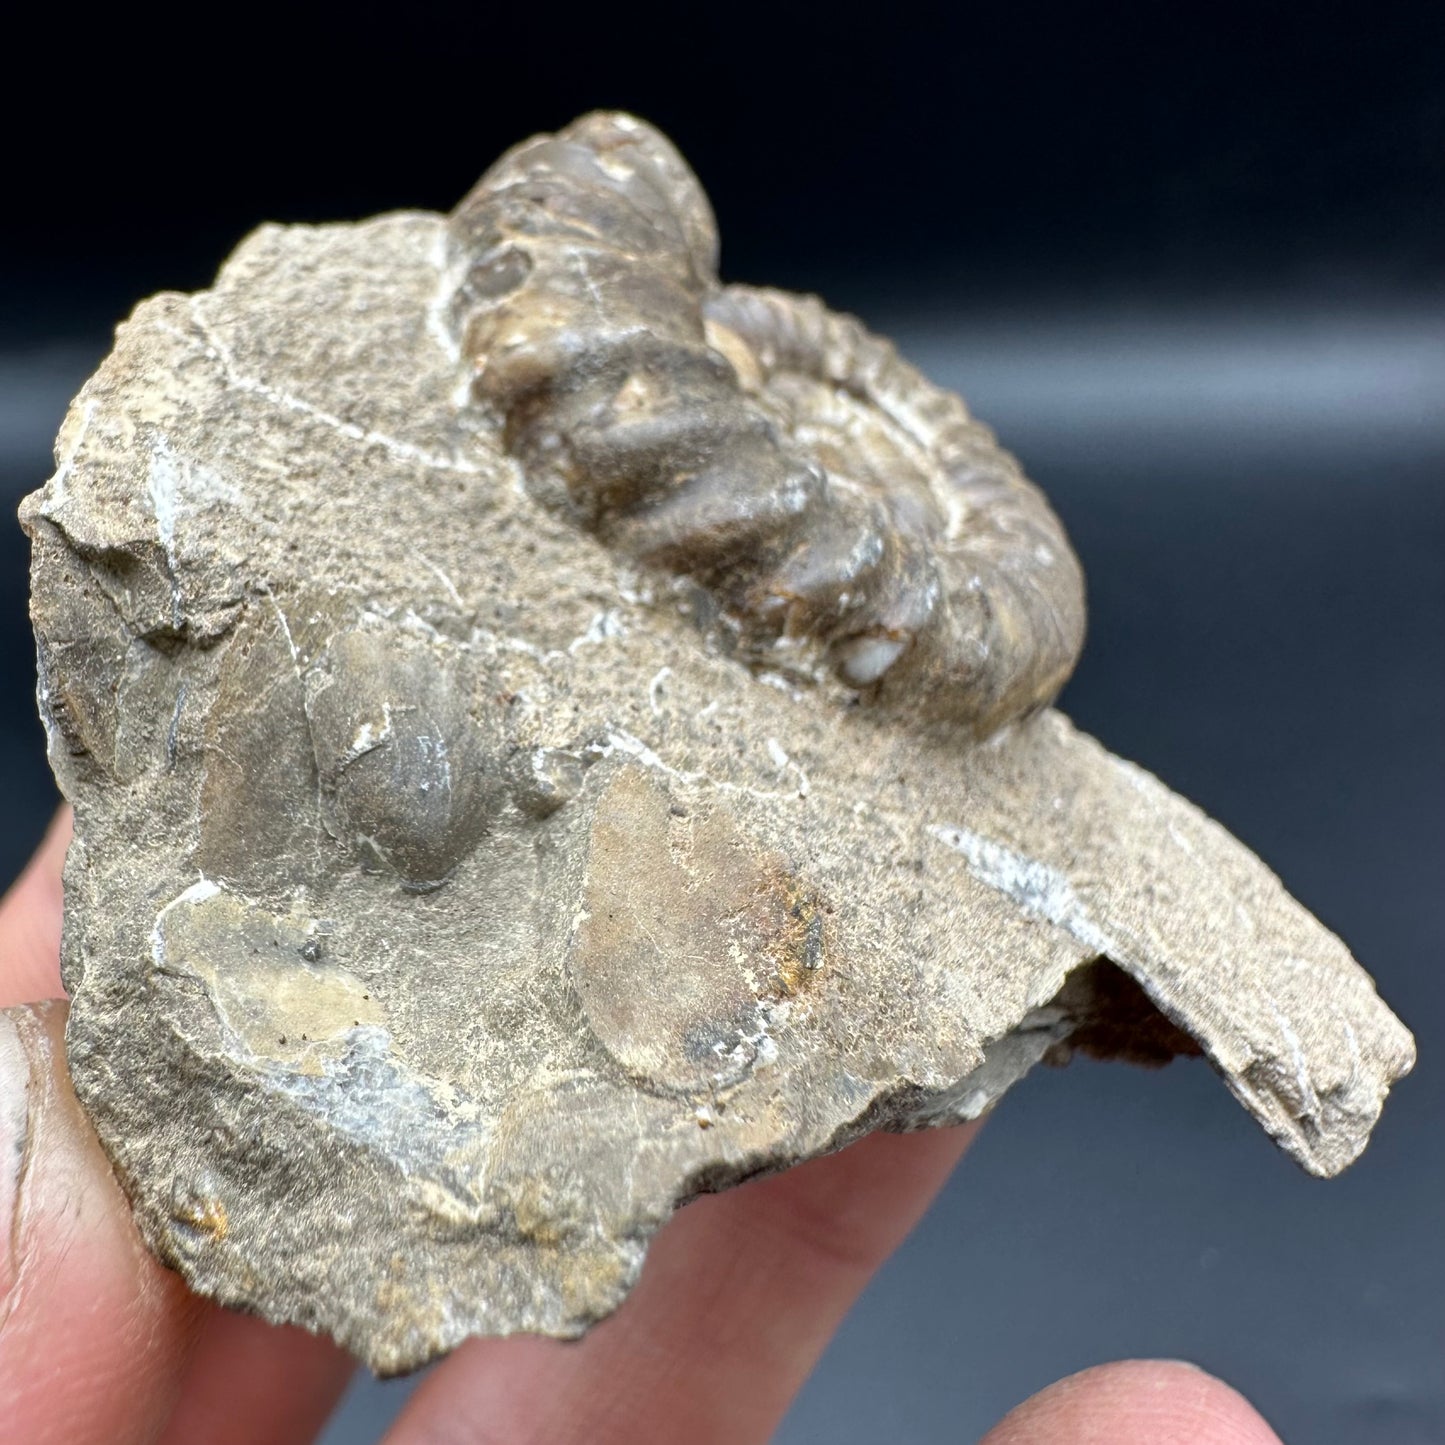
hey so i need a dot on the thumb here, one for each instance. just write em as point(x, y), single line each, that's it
point(1135, 1402)
point(30, 922)
point(94, 1333)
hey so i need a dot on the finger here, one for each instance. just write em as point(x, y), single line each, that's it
point(94, 1333)
point(291, 1380)
point(250, 1381)
point(1135, 1402)
point(739, 1296)
point(30, 922)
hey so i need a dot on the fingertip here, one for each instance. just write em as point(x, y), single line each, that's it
point(30, 917)
point(94, 1332)
point(1135, 1402)
point(43, 872)
point(739, 1296)
point(250, 1381)
point(859, 1203)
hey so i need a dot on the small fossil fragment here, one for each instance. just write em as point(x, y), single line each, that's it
point(551, 733)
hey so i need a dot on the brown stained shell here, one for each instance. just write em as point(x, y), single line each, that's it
point(829, 494)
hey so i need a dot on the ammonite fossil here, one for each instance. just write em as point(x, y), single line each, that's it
point(822, 488)
point(551, 735)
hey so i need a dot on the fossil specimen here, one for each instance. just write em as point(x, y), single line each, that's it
point(824, 488)
point(551, 734)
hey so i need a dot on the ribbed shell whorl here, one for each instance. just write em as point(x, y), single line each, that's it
point(835, 502)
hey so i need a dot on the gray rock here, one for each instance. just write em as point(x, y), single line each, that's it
point(550, 734)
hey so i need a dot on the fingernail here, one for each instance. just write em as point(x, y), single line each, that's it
point(15, 1088)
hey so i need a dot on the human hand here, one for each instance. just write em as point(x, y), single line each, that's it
point(740, 1295)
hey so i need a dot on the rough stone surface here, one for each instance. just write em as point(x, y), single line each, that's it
point(550, 735)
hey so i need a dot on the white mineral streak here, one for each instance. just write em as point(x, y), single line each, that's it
point(238, 381)
point(1041, 891)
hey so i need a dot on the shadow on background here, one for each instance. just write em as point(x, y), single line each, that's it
point(1190, 269)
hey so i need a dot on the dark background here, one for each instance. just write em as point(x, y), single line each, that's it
point(1189, 261)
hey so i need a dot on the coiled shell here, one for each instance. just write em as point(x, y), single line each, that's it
point(833, 498)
